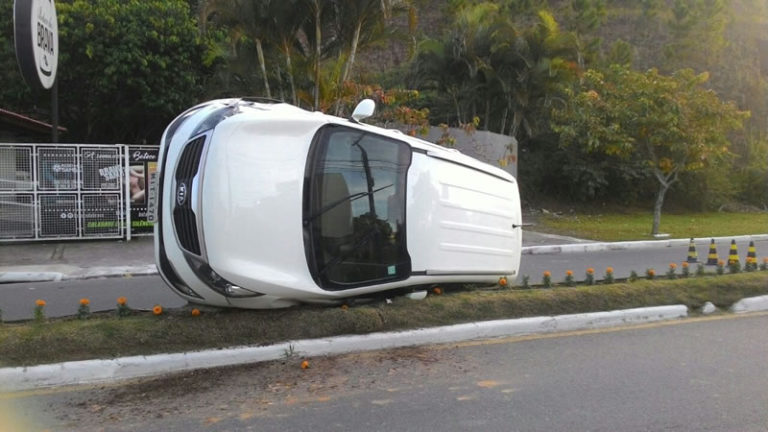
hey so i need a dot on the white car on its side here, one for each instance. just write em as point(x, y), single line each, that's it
point(266, 205)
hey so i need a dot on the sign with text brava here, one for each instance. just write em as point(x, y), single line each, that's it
point(36, 37)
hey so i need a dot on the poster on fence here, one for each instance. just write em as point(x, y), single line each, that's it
point(100, 168)
point(57, 169)
point(142, 163)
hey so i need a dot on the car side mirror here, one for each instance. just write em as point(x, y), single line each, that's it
point(363, 110)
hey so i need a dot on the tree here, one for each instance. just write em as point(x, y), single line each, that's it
point(246, 20)
point(354, 17)
point(503, 67)
point(671, 124)
point(127, 67)
point(534, 64)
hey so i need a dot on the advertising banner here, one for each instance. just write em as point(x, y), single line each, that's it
point(57, 169)
point(59, 215)
point(142, 163)
point(101, 214)
point(101, 168)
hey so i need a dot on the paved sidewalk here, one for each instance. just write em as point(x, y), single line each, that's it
point(63, 260)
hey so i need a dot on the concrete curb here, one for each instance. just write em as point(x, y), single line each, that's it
point(101, 371)
point(83, 274)
point(22, 277)
point(109, 272)
point(643, 244)
point(751, 304)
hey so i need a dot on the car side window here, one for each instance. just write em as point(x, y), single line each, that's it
point(355, 218)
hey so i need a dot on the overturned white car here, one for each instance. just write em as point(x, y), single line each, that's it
point(265, 205)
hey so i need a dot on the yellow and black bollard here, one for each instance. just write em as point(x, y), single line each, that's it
point(751, 257)
point(693, 257)
point(733, 257)
point(712, 258)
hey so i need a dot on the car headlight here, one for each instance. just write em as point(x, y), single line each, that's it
point(216, 282)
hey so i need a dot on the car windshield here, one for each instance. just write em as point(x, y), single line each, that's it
point(355, 216)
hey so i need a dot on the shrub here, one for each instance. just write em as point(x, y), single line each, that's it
point(546, 279)
point(671, 271)
point(608, 278)
point(734, 267)
point(569, 278)
point(39, 310)
point(122, 307)
point(650, 273)
point(590, 276)
point(84, 311)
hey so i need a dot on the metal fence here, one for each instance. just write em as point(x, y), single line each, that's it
point(65, 191)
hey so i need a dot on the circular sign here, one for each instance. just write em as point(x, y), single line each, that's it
point(36, 34)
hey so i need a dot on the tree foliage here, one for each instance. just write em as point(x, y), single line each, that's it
point(126, 68)
point(504, 68)
point(670, 124)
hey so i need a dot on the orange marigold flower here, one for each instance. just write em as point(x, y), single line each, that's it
point(651, 272)
point(503, 281)
point(121, 301)
point(547, 274)
point(157, 310)
point(590, 270)
point(609, 270)
point(40, 303)
point(765, 260)
point(85, 301)
point(305, 364)
point(720, 263)
point(195, 312)
point(672, 266)
point(685, 264)
point(569, 273)
point(437, 290)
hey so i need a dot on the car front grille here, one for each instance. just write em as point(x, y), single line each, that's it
point(190, 159)
point(184, 218)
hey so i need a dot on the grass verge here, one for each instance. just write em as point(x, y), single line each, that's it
point(106, 336)
point(637, 226)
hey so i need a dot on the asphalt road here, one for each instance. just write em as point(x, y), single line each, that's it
point(706, 374)
point(625, 261)
point(143, 292)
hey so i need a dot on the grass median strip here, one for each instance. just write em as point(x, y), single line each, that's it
point(106, 336)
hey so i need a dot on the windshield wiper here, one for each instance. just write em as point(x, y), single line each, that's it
point(352, 197)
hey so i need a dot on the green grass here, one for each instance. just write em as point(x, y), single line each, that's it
point(106, 336)
point(637, 226)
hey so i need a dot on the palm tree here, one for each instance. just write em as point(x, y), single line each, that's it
point(363, 22)
point(286, 22)
point(531, 63)
point(314, 33)
point(245, 19)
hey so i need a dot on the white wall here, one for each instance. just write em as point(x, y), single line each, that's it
point(492, 148)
